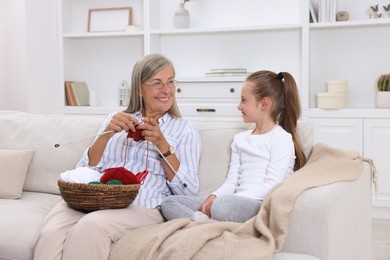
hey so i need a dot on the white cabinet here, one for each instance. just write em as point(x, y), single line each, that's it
point(210, 99)
point(343, 133)
point(366, 131)
point(377, 147)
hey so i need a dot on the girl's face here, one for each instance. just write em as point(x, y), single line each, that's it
point(159, 92)
point(250, 108)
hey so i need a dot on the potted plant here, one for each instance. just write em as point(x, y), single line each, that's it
point(383, 93)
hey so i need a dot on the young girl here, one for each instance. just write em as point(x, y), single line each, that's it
point(260, 159)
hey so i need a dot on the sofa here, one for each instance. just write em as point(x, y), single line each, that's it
point(329, 222)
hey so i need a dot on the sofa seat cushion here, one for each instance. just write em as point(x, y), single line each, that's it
point(20, 223)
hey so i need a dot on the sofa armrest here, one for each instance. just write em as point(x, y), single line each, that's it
point(333, 221)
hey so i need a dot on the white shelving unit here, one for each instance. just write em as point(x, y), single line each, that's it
point(273, 35)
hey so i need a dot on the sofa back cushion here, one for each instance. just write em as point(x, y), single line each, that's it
point(216, 151)
point(40, 133)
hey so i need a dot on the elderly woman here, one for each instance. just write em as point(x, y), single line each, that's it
point(172, 163)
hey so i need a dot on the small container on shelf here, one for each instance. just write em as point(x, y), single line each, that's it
point(336, 95)
point(337, 85)
point(331, 100)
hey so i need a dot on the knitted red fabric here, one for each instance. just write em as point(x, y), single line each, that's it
point(120, 173)
point(137, 135)
point(125, 176)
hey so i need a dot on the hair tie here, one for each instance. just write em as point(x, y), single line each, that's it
point(280, 75)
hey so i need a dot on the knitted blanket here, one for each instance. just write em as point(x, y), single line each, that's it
point(259, 237)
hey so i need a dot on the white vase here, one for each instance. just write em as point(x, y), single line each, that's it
point(182, 17)
point(383, 99)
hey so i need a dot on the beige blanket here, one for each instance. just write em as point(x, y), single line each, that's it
point(259, 237)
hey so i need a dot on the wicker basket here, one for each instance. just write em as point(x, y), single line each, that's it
point(90, 197)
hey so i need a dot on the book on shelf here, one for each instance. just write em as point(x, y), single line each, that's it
point(326, 10)
point(69, 94)
point(76, 93)
point(314, 11)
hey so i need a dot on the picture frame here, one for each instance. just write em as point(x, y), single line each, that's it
point(109, 19)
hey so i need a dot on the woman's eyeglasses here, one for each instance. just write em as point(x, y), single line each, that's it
point(160, 85)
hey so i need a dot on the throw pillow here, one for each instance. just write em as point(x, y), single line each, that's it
point(14, 165)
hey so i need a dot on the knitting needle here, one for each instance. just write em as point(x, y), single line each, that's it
point(82, 138)
point(86, 137)
point(165, 159)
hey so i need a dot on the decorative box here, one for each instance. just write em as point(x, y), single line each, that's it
point(337, 85)
point(331, 100)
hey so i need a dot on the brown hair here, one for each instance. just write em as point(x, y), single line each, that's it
point(143, 70)
point(282, 89)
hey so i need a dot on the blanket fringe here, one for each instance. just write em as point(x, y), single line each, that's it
point(374, 174)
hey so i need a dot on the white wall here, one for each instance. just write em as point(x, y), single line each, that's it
point(2, 99)
point(14, 55)
point(29, 69)
point(42, 56)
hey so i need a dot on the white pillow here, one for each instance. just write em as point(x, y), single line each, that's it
point(13, 169)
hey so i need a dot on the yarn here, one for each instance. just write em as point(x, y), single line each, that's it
point(123, 175)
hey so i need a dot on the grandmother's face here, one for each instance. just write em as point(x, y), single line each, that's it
point(159, 92)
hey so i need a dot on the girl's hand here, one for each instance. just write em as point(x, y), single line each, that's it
point(206, 205)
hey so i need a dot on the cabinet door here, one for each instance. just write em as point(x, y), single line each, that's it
point(210, 110)
point(376, 147)
point(342, 133)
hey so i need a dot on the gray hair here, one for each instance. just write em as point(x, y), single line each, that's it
point(143, 70)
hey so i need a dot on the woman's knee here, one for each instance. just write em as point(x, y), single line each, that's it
point(91, 221)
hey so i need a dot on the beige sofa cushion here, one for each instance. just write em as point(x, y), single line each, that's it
point(14, 165)
point(40, 133)
point(216, 140)
point(215, 157)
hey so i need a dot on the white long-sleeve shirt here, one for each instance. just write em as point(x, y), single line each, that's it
point(181, 134)
point(258, 163)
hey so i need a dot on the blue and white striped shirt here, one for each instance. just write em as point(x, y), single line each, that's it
point(181, 134)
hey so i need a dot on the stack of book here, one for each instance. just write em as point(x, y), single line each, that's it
point(76, 93)
point(323, 10)
point(227, 72)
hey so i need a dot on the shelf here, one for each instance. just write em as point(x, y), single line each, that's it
point(228, 30)
point(103, 34)
point(360, 23)
point(281, 39)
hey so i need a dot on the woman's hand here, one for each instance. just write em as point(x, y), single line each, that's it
point(122, 121)
point(151, 131)
point(206, 205)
